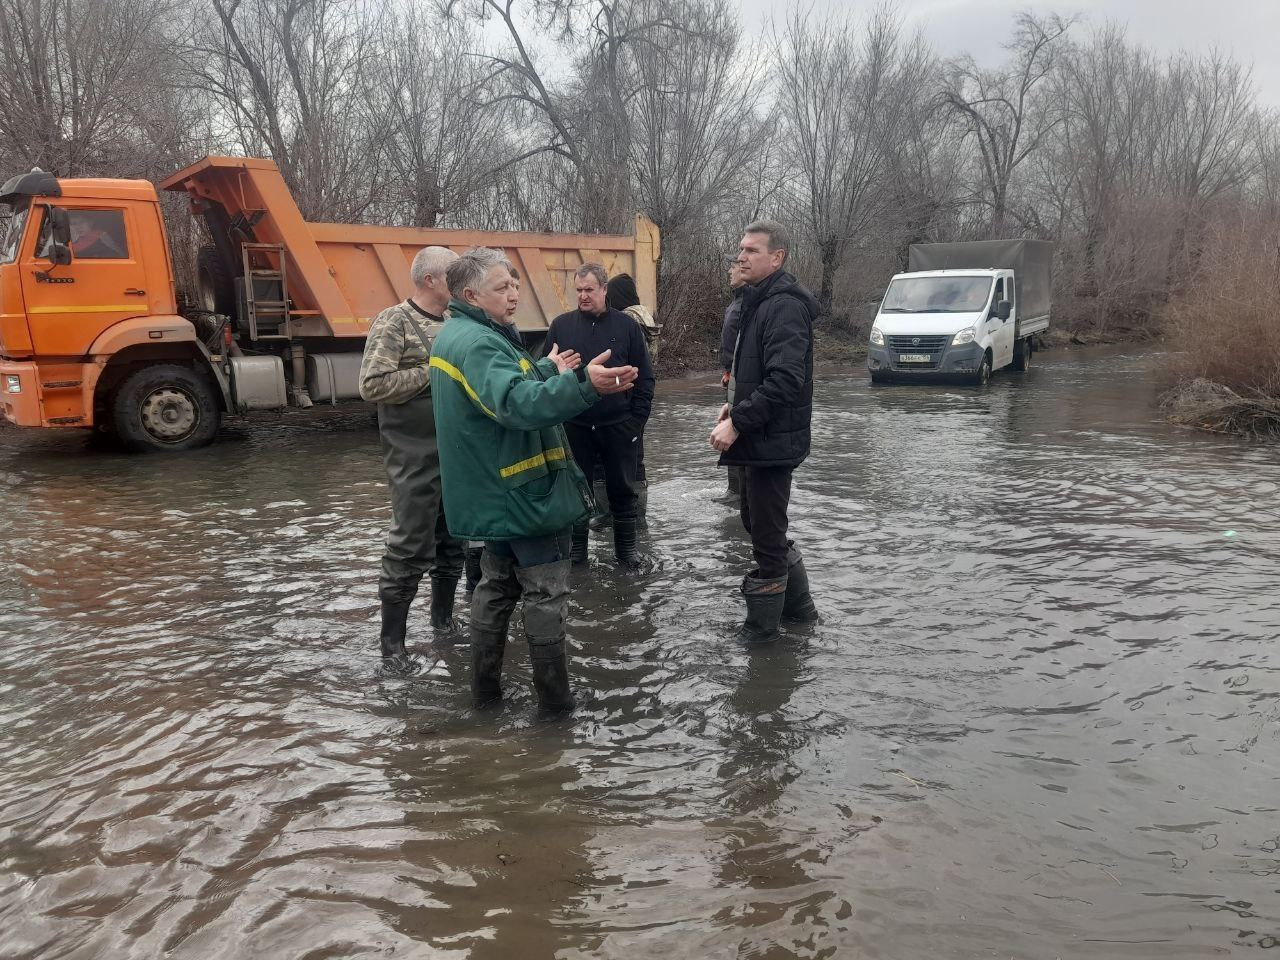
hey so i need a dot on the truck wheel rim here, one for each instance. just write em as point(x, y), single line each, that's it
point(169, 415)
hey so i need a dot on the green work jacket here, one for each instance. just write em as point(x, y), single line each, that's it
point(505, 467)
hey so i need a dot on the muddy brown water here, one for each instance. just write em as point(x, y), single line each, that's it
point(1040, 718)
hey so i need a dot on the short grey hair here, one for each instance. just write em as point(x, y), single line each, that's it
point(430, 262)
point(596, 270)
point(779, 238)
point(472, 267)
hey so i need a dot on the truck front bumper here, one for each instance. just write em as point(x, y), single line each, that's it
point(20, 393)
point(953, 363)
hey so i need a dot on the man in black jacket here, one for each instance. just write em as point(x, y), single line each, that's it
point(764, 427)
point(610, 431)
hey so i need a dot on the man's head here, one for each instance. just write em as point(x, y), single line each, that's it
point(735, 274)
point(428, 275)
point(481, 278)
point(591, 281)
point(763, 250)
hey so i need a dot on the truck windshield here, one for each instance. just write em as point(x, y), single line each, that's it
point(11, 229)
point(937, 295)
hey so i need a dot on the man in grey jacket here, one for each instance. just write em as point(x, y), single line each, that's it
point(395, 375)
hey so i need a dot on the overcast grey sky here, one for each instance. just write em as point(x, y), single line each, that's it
point(1248, 28)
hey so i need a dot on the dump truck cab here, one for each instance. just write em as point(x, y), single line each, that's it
point(87, 296)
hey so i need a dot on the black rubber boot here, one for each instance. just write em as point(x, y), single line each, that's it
point(473, 568)
point(396, 660)
point(443, 590)
point(764, 608)
point(487, 649)
point(551, 679)
point(602, 517)
point(578, 545)
point(624, 542)
point(798, 606)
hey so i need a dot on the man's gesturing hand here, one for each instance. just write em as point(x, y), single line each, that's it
point(725, 433)
point(569, 360)
point(610, 379)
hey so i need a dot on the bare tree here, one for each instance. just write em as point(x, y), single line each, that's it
point(843, 94)
point(287, 79)
point(999, 109)
point(437, 145)
point(89, 87)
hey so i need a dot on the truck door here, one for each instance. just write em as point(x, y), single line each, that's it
point(1001, 330)
point(69, 306)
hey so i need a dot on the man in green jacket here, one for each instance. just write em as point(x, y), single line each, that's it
point(508, 476)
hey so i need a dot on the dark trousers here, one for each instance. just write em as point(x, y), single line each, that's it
point(616, 448)
point(766, 493)
point(537, 569)
point(419, 538)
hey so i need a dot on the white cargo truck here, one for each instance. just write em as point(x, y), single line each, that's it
point(963, 311)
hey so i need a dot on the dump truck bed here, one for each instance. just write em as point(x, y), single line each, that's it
point(340, 276)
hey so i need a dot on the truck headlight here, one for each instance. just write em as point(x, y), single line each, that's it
point(964, 336)
point(12, 383)
point(877, 338)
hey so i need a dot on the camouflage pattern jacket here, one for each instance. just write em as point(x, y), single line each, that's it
point(395, 365)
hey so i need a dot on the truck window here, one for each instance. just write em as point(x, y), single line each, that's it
point(957, 294)
point(13, 235)
point(95, 235)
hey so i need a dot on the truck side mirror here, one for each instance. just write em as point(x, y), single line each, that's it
point(60, 221)
point(1004, 309)
point(56, 247)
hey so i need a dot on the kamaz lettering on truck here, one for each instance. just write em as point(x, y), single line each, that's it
point(94, 335)
point(964, 311)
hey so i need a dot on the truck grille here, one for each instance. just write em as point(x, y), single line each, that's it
point(918, 344)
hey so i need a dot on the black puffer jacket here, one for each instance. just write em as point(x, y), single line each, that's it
point(773, 375)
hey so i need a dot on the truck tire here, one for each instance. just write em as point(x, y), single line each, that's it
point(1021, 355)
point(165, 408)
point(983, 376)
point(215, 286)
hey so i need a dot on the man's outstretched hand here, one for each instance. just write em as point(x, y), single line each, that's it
point(569, 360)
point(608, 380)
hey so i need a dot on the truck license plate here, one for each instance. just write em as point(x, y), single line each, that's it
point(915, 358)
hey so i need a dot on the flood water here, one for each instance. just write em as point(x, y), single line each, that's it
point(1039, 720)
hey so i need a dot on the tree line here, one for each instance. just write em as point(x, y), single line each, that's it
point(576, 114)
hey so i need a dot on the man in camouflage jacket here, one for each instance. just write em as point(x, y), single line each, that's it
point(395, 375)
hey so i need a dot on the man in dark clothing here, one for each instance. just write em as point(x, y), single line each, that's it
point(609, 431)
point(764, 427)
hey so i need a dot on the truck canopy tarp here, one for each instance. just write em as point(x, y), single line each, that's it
point(1030, 260)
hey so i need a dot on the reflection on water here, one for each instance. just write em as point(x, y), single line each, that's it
point(1040, 719)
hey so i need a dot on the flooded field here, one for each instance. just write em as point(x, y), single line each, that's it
point(1041, 718)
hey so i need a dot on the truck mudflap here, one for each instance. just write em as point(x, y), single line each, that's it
point(953, 363)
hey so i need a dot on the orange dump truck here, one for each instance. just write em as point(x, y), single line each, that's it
point(94, 334)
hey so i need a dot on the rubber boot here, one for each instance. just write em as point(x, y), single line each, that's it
point(396, 660)
point(624, 542)
point(487, 649)
point(733, 492)
point(764, 608)
point(578, 544)
point(798, 606)
point(551, 679)
point(602, 517)
point(546, 599)
point(443, 590)
point(473, 568)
